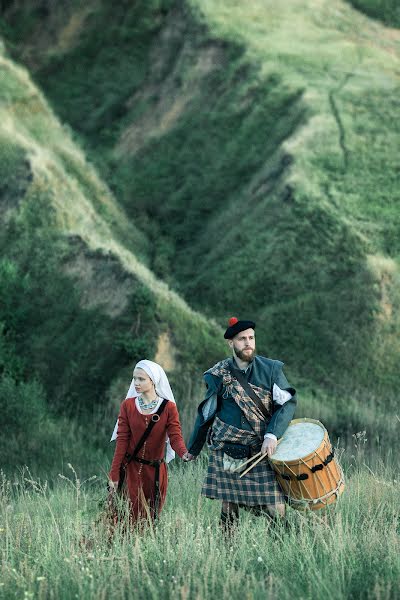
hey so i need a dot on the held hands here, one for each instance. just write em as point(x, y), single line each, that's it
point(188, 457)
point(269, 446)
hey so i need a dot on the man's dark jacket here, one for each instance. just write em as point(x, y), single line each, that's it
point(262, 372)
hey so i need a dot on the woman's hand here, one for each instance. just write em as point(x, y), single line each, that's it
point(112, 488)
point(188, 457)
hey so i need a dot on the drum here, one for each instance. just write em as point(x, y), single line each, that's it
point(306, 468)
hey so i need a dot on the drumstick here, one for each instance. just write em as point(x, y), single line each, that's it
point(257, 461)
point(254, 464)
point(246, 462)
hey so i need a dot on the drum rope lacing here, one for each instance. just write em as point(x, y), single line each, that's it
point(321, 499)
point(313, 469)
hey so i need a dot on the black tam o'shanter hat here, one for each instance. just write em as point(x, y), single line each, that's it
point(236, 326)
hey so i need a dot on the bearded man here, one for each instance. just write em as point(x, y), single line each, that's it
point(247, 407)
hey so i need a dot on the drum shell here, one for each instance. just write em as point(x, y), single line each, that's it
point(321, 487)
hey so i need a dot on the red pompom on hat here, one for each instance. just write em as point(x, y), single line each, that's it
point(236, 326)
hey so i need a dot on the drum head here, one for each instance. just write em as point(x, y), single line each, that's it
point(299, 440)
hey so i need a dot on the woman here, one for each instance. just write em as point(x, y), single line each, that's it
point(148, 420)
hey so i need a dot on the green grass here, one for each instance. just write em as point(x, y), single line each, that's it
point(349, 551)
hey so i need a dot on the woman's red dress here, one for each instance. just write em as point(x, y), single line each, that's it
point(140, 478)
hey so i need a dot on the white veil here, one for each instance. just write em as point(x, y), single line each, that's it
point(163, 390)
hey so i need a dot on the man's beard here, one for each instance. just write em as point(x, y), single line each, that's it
point(245, 356)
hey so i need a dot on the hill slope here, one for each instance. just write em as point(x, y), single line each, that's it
point(259, 147)
point(77, 307)
point(387, 11)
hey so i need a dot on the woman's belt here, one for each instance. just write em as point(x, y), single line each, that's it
point(152, 463)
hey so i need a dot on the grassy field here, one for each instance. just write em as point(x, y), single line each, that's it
point(348, 551)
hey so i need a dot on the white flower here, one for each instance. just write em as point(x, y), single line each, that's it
point(259, 559)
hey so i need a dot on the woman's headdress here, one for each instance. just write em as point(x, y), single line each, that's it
point(163, 390)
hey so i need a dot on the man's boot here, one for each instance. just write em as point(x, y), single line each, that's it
point(229, 518)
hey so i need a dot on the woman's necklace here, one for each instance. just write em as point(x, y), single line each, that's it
point(149, 406)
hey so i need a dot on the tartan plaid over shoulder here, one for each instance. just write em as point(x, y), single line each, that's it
point(246, 404)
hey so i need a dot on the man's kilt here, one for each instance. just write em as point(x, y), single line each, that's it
point(258, 487)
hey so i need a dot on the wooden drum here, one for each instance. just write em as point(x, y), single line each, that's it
point(306, 468)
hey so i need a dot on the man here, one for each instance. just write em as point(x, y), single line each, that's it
point(247, 407)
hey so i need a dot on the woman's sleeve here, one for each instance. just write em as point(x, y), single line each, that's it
point(174, 431)
point(123, 437)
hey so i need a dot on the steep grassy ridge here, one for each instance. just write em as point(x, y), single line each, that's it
point(77, 307)
point(387, 11)
point(255, 144)
point(341, 236)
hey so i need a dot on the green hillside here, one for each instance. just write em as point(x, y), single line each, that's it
point(250, 161)
point(256, 152)
point(77, 308)
point(387, 11)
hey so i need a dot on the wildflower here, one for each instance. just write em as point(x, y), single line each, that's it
point(360, 438)
point(259, 559)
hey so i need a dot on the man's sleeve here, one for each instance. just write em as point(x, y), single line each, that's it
point(285, 401)
point(205, 416)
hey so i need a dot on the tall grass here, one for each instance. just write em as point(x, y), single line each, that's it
point(348, 551)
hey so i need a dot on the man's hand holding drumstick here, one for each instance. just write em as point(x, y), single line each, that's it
point(269, 446)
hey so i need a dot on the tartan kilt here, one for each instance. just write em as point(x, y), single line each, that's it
point(258, 488)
